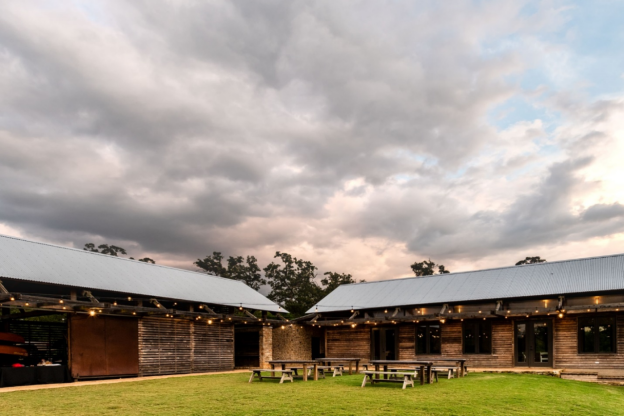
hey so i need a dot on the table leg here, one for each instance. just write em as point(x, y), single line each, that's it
point(385, 371)
point(357, 367)
point(315, 372)
point(462, 369)
point(422, 375)
point(429, 374)
point(272, 368)
point(305, 372)
point(376, 369)
point(350, 367)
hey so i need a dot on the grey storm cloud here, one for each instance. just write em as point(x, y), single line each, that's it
point(165, 125)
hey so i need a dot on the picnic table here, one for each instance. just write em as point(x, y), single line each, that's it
point(328, 361)
point(304, 363)
point(403, 363)
point(461, 363)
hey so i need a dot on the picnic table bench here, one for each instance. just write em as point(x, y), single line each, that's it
point(408, 378)
point(328, 361)
point(304, 363)
point(286, 374)
point(449, 369)
point(336, 369)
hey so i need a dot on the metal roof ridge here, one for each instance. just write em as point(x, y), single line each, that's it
point(484, 270)
point(115, 257)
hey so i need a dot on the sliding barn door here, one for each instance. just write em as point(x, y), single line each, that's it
point(102, 346)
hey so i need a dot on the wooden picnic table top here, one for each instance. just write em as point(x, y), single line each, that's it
point(293, 362)
point(338, 359)
point(415, 362)
point(462, 360)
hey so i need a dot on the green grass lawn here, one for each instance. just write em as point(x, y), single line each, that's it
point(476, 394)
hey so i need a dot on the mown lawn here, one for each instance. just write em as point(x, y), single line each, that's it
point(476, 394)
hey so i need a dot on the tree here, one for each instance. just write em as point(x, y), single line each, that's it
point(333, 280)
point(531, 260)
point(112, 250)
point(238, 268)
point(293, 284)
point(247, 271)
point(428, 268)
point(105, 249)
point(213, 264)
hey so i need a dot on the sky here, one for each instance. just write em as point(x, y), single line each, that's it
point(360, 135)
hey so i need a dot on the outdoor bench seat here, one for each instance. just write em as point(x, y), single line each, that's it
point(396, 371)
point(408, 378)
point(286, 374)
point(337, 369)
point(449, 369)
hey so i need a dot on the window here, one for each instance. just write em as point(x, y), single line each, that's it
point(477, 337)
point(596, 335)
point(428, 339)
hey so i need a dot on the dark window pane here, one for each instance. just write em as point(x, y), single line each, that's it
point(540, 342)
point(435, 342)
point(390, 344)
point(469, 339)
point(485, 338)
point(376, 344)
point(586, 335)
point(421, 339)
point(521, 340)
point(606, 334)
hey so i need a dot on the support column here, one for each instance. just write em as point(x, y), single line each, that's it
point(266, 346)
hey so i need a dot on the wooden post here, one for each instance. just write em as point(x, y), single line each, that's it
point(315, 371)
point(422, 375)
point(305, 372)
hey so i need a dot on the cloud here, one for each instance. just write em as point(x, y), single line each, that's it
point(354, 134)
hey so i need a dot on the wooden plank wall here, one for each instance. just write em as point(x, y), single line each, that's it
point(502, 344)
point(348, 343)
point(566, 346)
point(172, 346)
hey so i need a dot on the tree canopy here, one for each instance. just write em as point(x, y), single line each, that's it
point(428, 268)
point(112, 250)
point(238, 268)
point(292, 283)
point(531, 260)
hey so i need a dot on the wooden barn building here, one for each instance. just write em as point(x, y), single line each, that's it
point(102, 316)
point(560, 315)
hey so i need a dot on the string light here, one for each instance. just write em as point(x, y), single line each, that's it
point(129, 298)
point(92, 313)
point(61, 301)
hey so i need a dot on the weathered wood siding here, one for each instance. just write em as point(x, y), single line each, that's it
point(172, 346)
point(566, 346)
point(502, 344)
point(348, 343)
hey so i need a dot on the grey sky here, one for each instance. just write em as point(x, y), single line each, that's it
point(360, 135)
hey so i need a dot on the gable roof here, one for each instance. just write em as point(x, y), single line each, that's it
point(47, 263)
point(595, 274)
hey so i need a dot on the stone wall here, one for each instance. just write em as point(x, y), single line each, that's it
point(266, 346)
point(292, 342)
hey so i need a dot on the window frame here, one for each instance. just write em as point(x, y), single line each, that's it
point(475, 323)
point(428, 326)
point(596, 335)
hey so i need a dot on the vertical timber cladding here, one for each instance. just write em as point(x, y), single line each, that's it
point(174, 346)
point(565, 345)
point(102, 346)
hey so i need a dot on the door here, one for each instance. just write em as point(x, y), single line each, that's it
point(103, 346)
point(384, 343)
point(533, 343)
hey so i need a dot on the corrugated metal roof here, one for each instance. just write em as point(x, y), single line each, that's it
point(593, 274)
point(46, 263)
